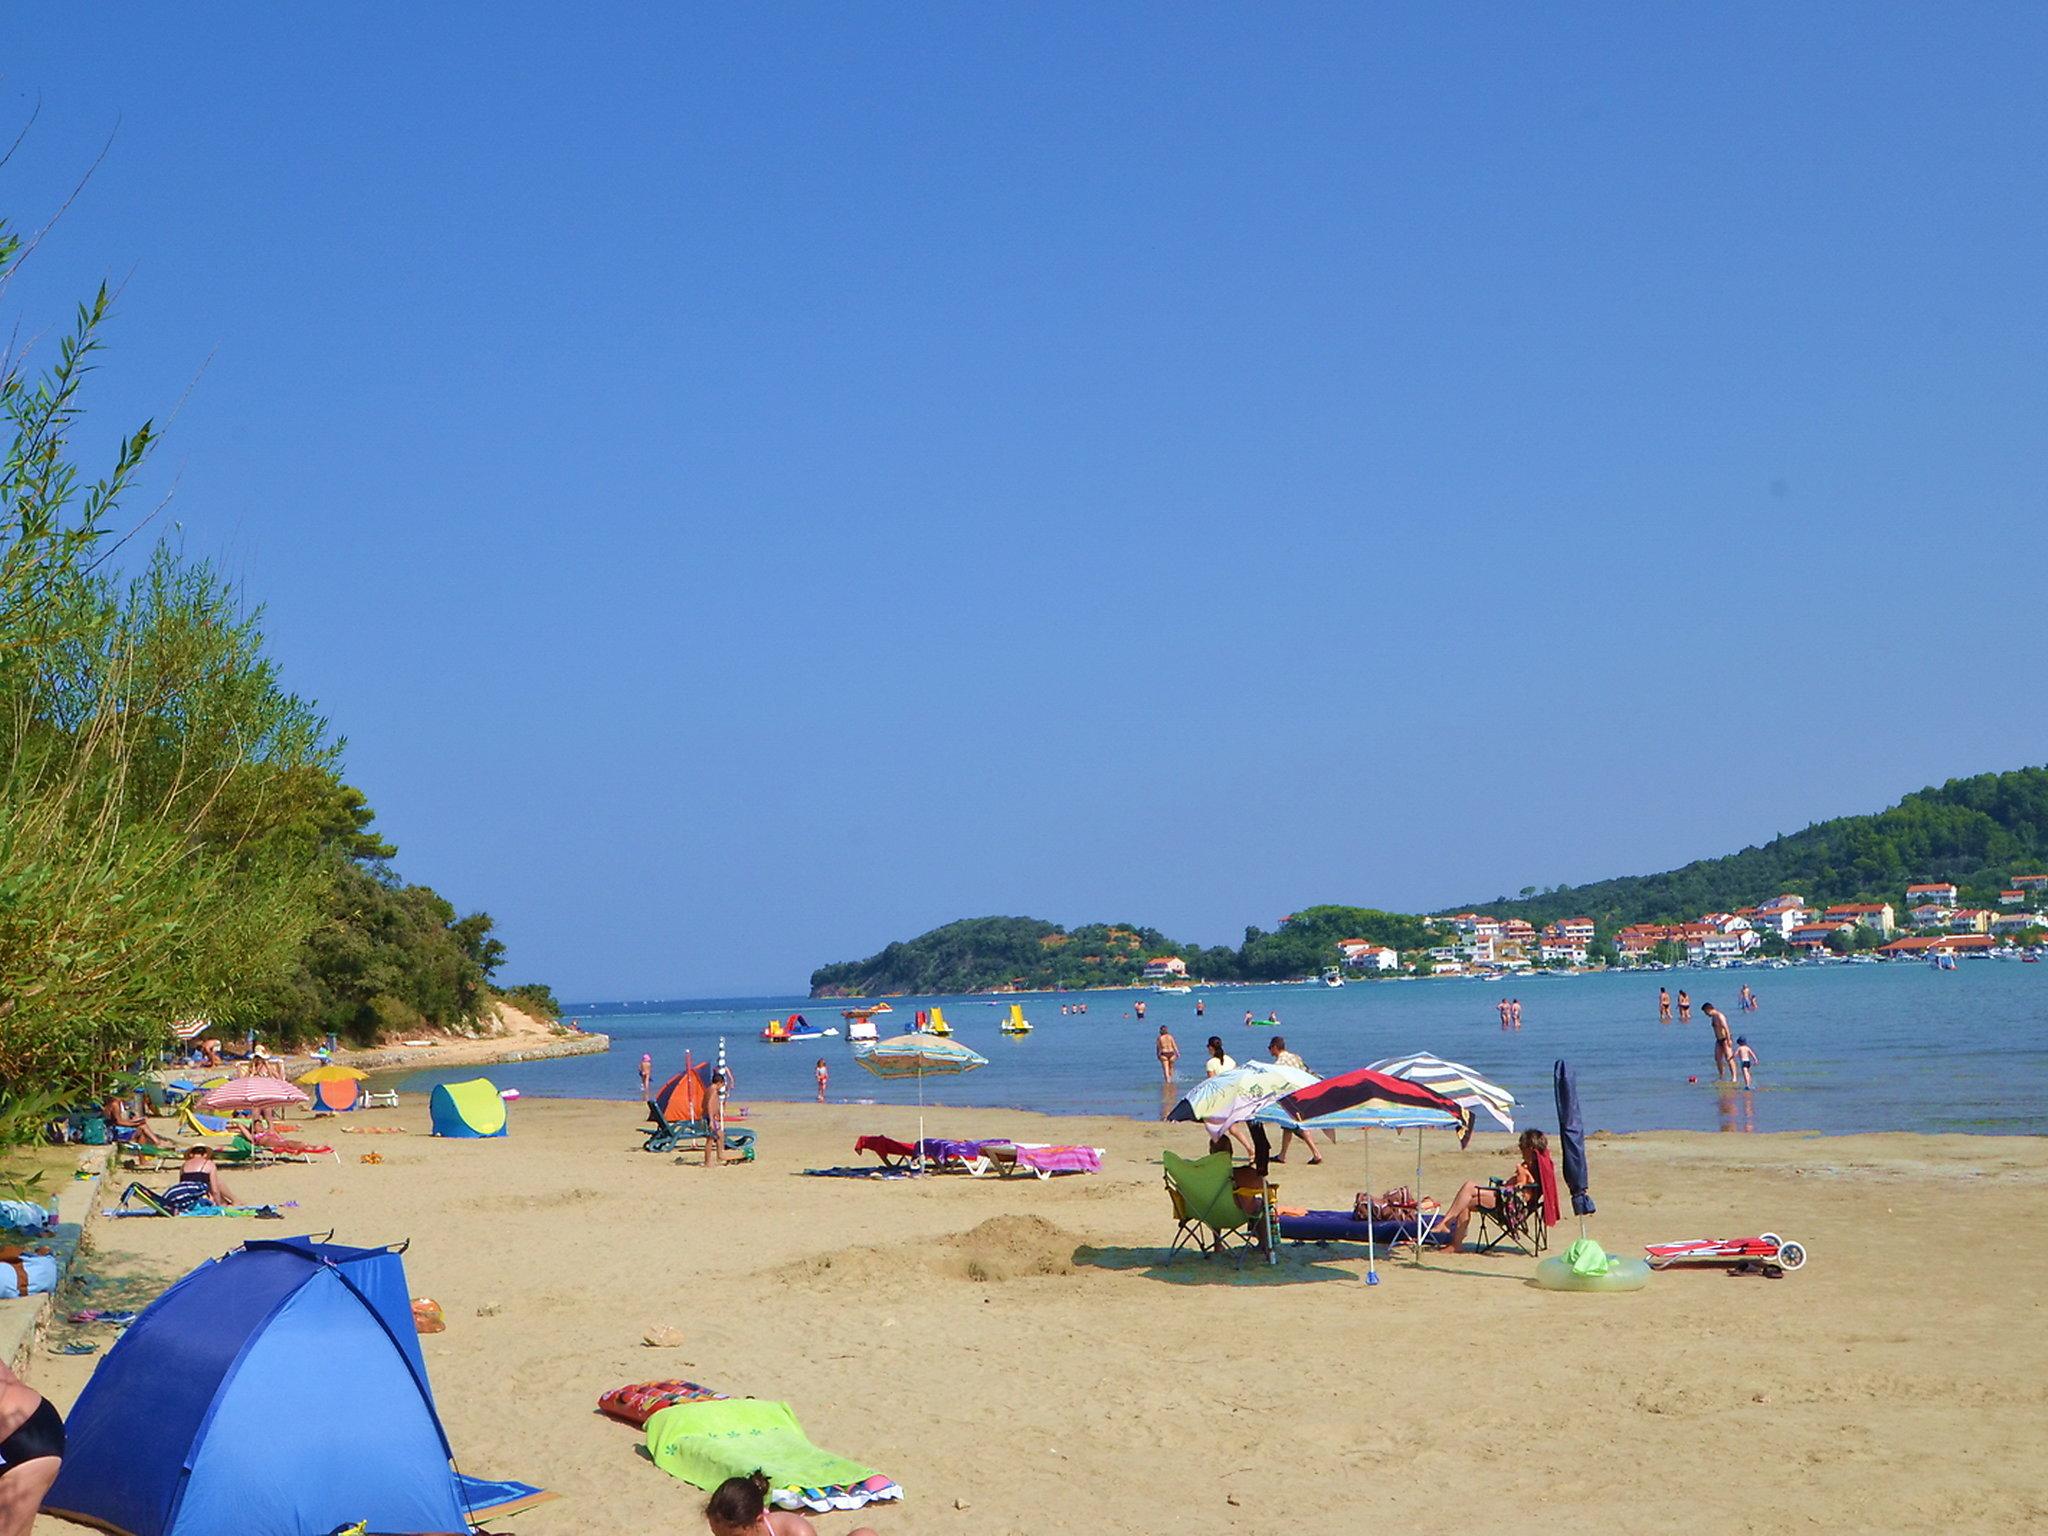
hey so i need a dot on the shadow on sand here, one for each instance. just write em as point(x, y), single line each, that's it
point(1237, 1267)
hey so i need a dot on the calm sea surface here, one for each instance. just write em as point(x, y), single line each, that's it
point(1891, 1047)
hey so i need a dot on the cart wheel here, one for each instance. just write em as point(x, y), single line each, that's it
point(1773, 1239)
point(1791, 1255)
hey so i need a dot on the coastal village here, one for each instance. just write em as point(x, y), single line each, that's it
point(1934, 921)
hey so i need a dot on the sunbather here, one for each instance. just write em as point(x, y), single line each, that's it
point(122, 1118)
point(1534, 1146)
point(198, 1182)
point(739, 1507)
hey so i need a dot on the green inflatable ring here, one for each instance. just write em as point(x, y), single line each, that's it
point(1622, 1275)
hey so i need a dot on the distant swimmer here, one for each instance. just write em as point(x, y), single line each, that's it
point(1141, 1010)
point(646, 1077)
point(1748, 999)
point(1684, 1006)
point(1503, 1006)
point(1515, 1011)
point(1169, 1053)
point(1272, 1018)
point(1247, 1015)
point(1200, 1008)
point(1745, 1059)
point(1663, 1006)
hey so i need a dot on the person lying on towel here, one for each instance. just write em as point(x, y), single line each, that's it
point(739, 1507)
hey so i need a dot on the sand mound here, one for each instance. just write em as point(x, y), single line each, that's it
point(1001, 1248)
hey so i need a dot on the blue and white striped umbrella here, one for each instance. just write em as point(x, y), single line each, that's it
point(1454, 1081)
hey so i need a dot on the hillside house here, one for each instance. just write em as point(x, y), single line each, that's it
point(1936, 891)
point(1876, 916)
point(1166, 968)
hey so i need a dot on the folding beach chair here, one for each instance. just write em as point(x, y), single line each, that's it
point(1205, 1204)
point(666, 1135)
point(1516, 1220)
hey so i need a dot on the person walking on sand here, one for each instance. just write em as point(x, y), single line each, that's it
point(646, 1076)
point(1684, 1006)
point(824, 1078)
point(1724, 1044)
point(1745, 1059)
point(1515, 1012)
point(31, 1451)
point(1283, 1057)
point(714, 1121)
point(1663, 1005)
point(1169, 1053)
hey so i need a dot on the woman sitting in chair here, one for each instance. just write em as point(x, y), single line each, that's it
point(1534, 1147)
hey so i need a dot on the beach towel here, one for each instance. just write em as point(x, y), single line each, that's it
point(26, 1216)
point(1059, 1159)
point(704, 1443)
point(864, 1171)
point(491, 1498)
point(1546, 1178)
point(641, 1401)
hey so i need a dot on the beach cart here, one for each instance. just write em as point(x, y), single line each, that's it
point(1769, 1254)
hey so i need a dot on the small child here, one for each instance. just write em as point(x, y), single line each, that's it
point(824, 1077)
point(1745, 1058)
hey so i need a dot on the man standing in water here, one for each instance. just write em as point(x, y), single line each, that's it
point(1515, 1012)
point(1141, 1010)
point(1724, 1043)
point(1169, 1053)
point(646, 1077)
point(1684, 1006)
point(1663, 1005)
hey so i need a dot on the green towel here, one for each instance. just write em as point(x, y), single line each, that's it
point(705, 1443)
point(1586, 1257)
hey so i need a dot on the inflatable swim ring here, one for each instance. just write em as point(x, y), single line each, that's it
point(1554, 1274)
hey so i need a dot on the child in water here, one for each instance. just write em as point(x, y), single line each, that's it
point(739, 1507)
point(1745, 1058)
point(824, 1077)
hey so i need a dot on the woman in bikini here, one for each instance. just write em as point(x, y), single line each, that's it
point(1534, 1146)
point(739, 1507)
point(31, 1450)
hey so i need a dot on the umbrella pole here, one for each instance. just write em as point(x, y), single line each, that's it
point(1418, 1197)
point(1372, 1273)
point(921, 1168)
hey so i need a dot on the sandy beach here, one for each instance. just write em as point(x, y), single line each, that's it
point(1018, 1355)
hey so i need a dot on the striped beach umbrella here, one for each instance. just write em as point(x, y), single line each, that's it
point(920, 1056)
point(1232, 1097)
point(1455, 1081)
point(253, 1093)
point(328, 1073)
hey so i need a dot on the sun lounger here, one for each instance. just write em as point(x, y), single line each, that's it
point(1344, 1227)
point(893, 1153)
point(703, 1443)
point(666, 1135)
point(999, 1156)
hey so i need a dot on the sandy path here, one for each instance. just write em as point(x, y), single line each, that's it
point(1051, 1373)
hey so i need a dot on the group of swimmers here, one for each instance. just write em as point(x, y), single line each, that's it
point(1510, 1013)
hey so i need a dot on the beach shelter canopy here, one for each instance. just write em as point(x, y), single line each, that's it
point(1454, 1081)
point(1237, 1095)
point(468, 1110)
point(198, 1420)
point(253, 1093)
point(684, 1096)
point(336, 1094)
point(918, 1055)
point(1317, 1103)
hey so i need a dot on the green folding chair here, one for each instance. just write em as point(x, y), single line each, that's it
point(1205, 1204)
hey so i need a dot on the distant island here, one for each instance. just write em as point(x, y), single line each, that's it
point(1963, 866)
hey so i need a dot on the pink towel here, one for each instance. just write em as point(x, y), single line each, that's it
point(1060, 1159)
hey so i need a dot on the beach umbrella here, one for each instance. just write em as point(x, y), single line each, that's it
point(918, 1055)
point(1366, 1099)
point(329, 1073)
point(1453, 1080)
point(1571, 1143)
point(253, 1093)
point(1232, 1097)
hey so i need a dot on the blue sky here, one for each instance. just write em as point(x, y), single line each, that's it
point(751, 483)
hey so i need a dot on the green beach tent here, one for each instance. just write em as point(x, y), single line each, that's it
point(469, 1110)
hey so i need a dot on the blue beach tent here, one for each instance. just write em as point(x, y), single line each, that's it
point(198, 1420)
point(470, 1109)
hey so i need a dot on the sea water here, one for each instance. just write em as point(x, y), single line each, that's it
point(1886, 1047)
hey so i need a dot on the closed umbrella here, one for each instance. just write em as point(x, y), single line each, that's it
point(1367, 1099)
point(253, 1093)
point(920, 1056)
point(1571, 1143)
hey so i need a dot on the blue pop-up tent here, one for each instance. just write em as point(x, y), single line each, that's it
point(198, 1421)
